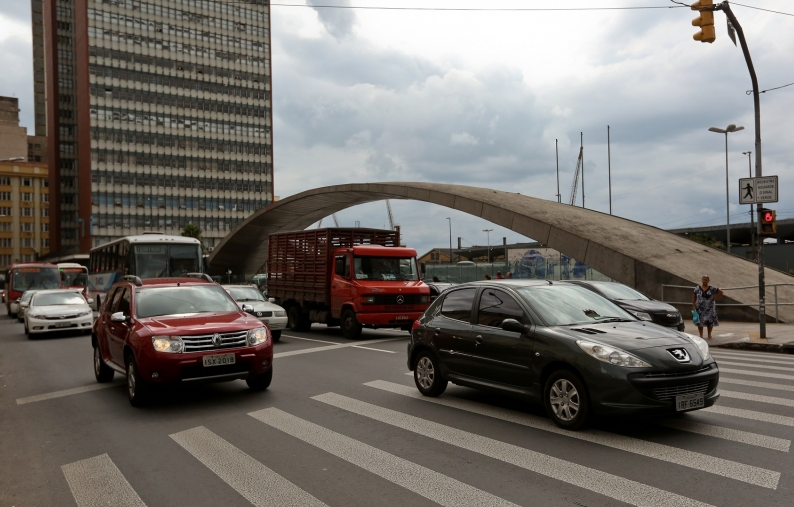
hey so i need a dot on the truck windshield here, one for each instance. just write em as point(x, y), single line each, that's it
point(385, 268)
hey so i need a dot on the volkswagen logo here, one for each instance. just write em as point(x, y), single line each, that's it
point(680, 355)
point(216, 340)
point(258, 314)
point(400, 299)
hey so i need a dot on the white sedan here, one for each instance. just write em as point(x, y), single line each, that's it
point(271, 314)
point(24, 301)
point(58, 310)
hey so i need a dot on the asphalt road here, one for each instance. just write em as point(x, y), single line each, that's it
point(342, 425)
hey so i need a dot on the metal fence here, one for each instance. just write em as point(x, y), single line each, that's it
point(465, 272)
point(772, 286)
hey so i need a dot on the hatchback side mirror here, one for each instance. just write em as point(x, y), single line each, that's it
point(118, 317)
point(514, 326)
point(248, 309)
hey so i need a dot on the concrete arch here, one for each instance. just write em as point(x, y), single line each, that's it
point(635, 254)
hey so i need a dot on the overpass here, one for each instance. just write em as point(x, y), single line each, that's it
point(633, 253)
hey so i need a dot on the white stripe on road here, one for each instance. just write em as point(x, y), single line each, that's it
point(745, 437)
point(611, 486)
point(718, 466)
point(750, 414)
point(748, 365)
point(257, 483)
point(755, 359)
point(331, 347)
point(308, 339)
point(752, 383)
point(416, 478)
point(370, 348)
point(67, 392)
point(97, 482)
point(752, 355)
point(757, 373)
point(784, 402)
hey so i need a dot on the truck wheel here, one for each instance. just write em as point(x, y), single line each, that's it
point(351, 328)
point(296, 321)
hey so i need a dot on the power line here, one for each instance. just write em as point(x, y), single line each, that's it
point(476, 9)
point(766, 10)
point(750, 92)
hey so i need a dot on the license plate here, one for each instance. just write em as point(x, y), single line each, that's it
point(403, 317)
point(218, 359)
point(689, 402)
point(62, 324)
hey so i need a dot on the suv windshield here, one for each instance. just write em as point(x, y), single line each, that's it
point(58, 298)
point(567, 305)
point(385, 268)
point(156, 301)
point(245, 294)
point(620, 291)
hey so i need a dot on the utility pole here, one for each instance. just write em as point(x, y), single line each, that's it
point(752, 211)
point(609, 169)
point(557, 152)
point(450, 239)
point(581, 149)
point(488, 232)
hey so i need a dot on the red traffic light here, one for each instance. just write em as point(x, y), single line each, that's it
point(768, 216)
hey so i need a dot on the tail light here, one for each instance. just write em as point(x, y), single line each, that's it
point(415, 325)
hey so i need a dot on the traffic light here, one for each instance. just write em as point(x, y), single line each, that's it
point(705, 21)
point(768, 220)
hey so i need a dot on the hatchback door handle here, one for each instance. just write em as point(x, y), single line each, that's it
point(478, 340)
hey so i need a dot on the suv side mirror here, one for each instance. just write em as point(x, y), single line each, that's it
point(248, 309)
point(118, 317)
point(514, 326)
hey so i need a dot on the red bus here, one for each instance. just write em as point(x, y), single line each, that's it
point(28, 276)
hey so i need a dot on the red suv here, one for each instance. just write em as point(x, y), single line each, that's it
point(166, 330)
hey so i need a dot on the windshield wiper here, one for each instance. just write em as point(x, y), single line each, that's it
point(614, 319)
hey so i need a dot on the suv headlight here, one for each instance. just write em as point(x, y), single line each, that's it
point(280, 313)
point(611, 355)
point(172, 344)
point(702, 345)
point(257, 336)
point(641, 315)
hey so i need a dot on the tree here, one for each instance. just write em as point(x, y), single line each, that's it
point(193, 231)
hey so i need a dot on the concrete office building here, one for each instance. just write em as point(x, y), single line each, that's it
point(24, 212)
point(158, 114)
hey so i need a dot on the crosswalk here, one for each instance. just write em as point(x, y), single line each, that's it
point(747, 433)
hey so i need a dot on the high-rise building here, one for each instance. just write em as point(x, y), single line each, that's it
point(158, 114)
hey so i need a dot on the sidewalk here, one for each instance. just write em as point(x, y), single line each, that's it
point(745, 335)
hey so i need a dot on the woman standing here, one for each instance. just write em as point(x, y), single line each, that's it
point(704, 302)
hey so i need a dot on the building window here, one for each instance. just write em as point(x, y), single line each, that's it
point(45, 227)
point(45, 243)
point(27, 196)
point(45, 197)
point(26, 227)
point(5, 226)
point(6, 243)
point(5, 180)
point(26, 212)
point(27, 182)
point(27, 242)
point(45, 212)
point(5, 196)
point(5, 211)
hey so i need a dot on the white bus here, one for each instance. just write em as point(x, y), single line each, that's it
point(74, 276)
point(146, 256)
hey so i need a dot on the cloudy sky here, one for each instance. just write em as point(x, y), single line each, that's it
point(478, 98)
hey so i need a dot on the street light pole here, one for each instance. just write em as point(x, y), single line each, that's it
point(450, 239)
point(752, 211)
point(488, 232)
point(727, 130)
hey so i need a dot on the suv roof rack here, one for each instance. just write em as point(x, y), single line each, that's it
point(200, 276)
point(133, 279)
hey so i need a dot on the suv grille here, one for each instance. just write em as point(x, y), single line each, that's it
point(196, 343)
point(668, 393)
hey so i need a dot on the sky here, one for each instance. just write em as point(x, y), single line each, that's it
point(481, 97)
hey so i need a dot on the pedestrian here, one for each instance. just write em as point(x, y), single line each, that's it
point(487, 277)
point(704, 303)
point(509, 274)
point(499, 275)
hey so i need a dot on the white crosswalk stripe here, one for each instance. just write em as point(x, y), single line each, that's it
point(785, 402)
point(257, 483)
point(750, 414)
point(745, 437)
point(698, 461)
point(719, 357)
point(609, 485)
point(437, 487)
point(97, 482)
point(753, 383)
point(752, 355)
point(757, 373)
point(748, 365)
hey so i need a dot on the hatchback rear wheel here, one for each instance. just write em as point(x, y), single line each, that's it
point(566, 400)
point(427, 375)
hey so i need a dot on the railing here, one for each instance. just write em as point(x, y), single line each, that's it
point(774, 286)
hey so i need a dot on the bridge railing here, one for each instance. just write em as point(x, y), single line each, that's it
point(772, 286)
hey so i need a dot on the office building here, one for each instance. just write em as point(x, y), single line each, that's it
point(24, 212)
point(158, 114)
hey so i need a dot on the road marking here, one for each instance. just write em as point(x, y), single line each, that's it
point(746, 365)
point(611, 486)
point(757, 373)
point(759, 398)
point(370, 348)
point(331, 347)
point(432, 485)
point(67, 392)
point(97, 482)
point(752, 383)
point(308, 339)
point(718, 466)
point(257, 483)
point(749, 355)
point(758, 360)
point(750, 414)
point(745, 437)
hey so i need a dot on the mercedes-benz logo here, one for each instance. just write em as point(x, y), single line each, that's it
point(400, 299)
point(216, 340)
point(680, 355)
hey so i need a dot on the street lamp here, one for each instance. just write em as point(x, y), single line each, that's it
point(752, 212)
point(730, 128)
point(488, 232)
point(450, 239)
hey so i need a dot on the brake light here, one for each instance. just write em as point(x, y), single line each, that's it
point(415, 325)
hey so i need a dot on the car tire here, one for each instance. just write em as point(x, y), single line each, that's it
point(101, 371)
point(566, 400)
point(351, 327)
point(276, 335)
point(137, 390)
point(427, 375)
point(261, 381)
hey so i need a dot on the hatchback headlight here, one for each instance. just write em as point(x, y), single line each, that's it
point(611, 355)
point(702, 345)
point(257, 336)
point(641, 315)
point(172, 344)
point(280, 313)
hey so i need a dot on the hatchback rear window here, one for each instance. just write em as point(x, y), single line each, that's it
point(157, 301)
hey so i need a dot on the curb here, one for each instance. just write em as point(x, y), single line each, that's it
point(780, 348)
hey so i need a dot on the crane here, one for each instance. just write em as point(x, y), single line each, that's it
point(575, 185)
point(391, 218)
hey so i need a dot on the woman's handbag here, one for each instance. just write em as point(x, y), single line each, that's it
point(695, 317)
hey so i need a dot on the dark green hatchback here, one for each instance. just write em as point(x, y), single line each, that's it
point(561, 345)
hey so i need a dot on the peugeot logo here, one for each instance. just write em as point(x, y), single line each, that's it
point(216, 340)
point(400, 299)
point(680, 355)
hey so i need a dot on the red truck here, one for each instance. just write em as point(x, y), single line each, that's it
point(345, 277)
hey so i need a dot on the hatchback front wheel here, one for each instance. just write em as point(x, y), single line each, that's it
point(566, 400)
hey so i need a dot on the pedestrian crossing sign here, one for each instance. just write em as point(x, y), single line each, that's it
point(758, 190)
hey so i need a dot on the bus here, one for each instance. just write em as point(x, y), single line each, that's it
point(29, 276)
point(153, 255)
point(74, 276)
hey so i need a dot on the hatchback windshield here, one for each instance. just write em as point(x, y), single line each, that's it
point(156, 301)
point(620, 291)
point(245, 294)
point(566, 305)
point(385, 268)
point(58, 298)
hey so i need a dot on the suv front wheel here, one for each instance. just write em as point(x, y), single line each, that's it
point(137, 390)
point(261, 381)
